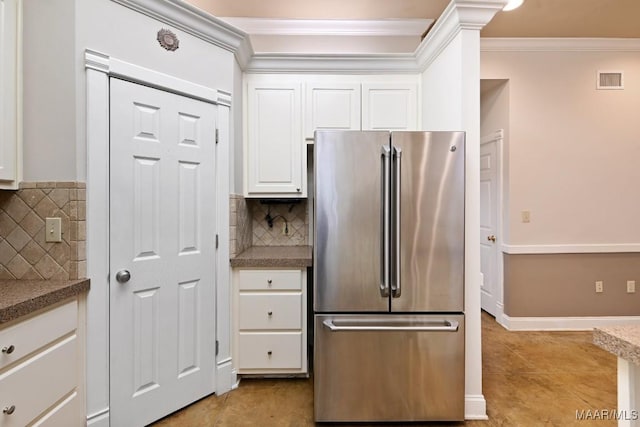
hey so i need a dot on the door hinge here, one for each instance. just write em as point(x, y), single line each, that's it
point(217, 347)
point(217, 136)
point(217, 241)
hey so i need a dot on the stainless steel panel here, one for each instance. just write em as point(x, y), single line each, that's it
point(349, 184)
point(431, 214)
point(389, 368)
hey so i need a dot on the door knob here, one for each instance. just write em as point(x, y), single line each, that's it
point(491, 238)
point(123, 276)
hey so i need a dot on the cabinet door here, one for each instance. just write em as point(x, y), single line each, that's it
point(10, 35)
point(389, 106)
point(332, 106)
point(275, 155)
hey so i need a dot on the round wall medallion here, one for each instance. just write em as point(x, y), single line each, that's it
point(168, 39)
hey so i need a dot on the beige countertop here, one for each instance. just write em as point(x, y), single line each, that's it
point(274, 256)
point(623, 341)
point(21, 297)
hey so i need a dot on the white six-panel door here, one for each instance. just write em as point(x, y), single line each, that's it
point(162, 231)
point(488, 225)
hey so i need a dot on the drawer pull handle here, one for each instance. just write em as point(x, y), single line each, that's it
point(269, 281)
point(8, 350)
point(9, 409)
point(269, 353)
point(270, 313)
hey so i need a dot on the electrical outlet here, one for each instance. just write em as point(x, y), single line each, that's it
point(631, 286)
point(526, 216)
point(53, 230)
point(599, 286)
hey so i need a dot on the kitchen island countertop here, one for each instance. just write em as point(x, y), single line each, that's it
point(22, 297)
point(623, 341)
point(274, 256)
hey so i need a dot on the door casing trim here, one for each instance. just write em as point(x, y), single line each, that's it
point(100, 68)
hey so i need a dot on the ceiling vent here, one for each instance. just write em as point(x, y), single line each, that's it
point(610, 80)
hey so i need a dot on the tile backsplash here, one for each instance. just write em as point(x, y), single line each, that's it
point(24, 254)
point(248, 226)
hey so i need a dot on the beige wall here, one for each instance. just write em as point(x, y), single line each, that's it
point(563, 285)
point(573, 150)
point(571, 156)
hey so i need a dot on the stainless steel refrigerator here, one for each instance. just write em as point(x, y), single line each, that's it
point(389, 276)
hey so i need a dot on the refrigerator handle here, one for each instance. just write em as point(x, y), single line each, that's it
point(395, 269)
point(446, 326)
point(384, 221)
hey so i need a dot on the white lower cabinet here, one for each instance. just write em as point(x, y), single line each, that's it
point(271, 321)
point(41, 370)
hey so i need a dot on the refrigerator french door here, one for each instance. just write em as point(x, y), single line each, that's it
point(389, 276)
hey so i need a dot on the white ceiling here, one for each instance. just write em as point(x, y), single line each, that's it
point(368, 25)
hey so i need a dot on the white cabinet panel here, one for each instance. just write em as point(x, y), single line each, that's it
point(10, 80)
point(51, 373)
point(263, 280)
point(48, 326)
point(389, 106)
point(270, 350)
point(40, 379)
point(271, 311)
point(275, 155)
point(332, 106)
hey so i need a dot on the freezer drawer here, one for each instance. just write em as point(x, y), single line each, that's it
point(389, 368)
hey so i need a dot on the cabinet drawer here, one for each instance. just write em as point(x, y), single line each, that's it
point(36, 332)
point(270, 311)
point(270, 351)
point(33, 386)
point(262, 280)
point(68, 413)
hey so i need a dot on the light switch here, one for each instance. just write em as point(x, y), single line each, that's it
point(53, 230)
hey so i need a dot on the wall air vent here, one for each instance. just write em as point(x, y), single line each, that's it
point(610, 80)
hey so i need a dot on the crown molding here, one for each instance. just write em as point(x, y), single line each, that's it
point(331, 27)
point(333, 64)
point(196, 22)
point(458, 15)
point(560, 44)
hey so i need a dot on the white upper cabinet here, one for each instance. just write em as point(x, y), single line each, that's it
point(10, 145)
point(276, 155)
point(283, 111)
point(332, 106)
point(389, 106)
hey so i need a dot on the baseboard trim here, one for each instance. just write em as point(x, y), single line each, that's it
point(475, 407)
point(565, 323)
point(226, 377)
point(99, 419)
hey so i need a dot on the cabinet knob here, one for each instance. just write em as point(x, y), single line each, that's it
point(298, 190)
point(8, 350)
point(269, 353)
point(270, 313)
point(9, 409)
point(269, 281)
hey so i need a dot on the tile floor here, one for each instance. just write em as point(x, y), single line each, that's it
point(529, 379)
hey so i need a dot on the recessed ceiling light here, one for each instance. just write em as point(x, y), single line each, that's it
point(512, 4)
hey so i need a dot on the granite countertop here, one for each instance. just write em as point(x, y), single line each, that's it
point(21, 297)
point(623, 341)
point(274, 256)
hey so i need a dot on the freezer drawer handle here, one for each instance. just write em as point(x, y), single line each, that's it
point(447, 326)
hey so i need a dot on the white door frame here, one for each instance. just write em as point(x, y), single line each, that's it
point(99, 68)
point(498, 138)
